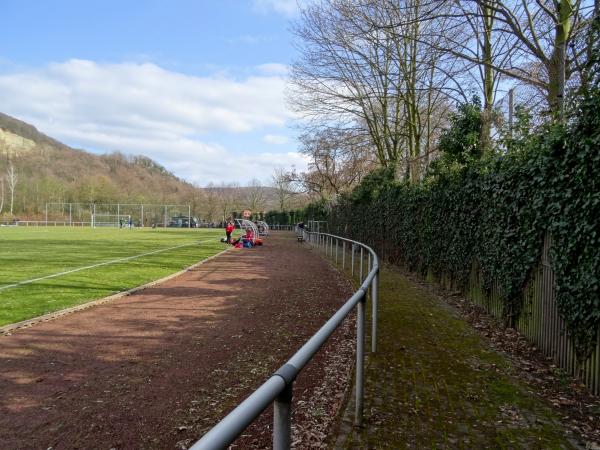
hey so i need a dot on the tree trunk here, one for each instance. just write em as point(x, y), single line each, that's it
point(488, 81)
point(1, 194)
point(557, 63)
point(11, 176)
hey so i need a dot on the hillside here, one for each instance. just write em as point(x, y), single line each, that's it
point(46, 170)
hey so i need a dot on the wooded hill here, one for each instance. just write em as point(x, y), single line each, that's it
point(36, 169)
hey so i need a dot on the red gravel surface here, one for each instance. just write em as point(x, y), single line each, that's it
point(158, 368)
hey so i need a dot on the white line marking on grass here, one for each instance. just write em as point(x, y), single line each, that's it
point(106, 263)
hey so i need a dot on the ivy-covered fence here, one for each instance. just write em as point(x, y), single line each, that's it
point(482, 229)
point(315, 211)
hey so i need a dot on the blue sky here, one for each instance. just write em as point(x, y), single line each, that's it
point(197, 85)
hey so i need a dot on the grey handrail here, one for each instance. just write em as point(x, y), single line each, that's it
point(278, 388)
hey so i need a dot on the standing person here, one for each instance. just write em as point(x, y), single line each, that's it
point(228, 230)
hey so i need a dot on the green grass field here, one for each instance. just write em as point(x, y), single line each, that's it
point(30, 253)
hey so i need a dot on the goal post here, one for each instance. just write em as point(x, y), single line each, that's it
point(112, 220)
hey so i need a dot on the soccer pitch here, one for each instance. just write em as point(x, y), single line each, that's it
point(44, 270)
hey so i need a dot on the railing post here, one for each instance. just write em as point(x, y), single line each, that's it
point(336, 250)
point(352, 251)
point(374, 300)
point(343, 255)
point(361, 265)
point(360, 362)
point(369, 271)
point(282, 419)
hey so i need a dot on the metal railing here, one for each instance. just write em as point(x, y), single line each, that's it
point(278, 388)
point(44, 223)
point(282, 227)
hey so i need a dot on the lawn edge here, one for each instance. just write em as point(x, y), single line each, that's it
point(7, 329)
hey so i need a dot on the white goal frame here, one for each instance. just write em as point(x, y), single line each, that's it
point(122, 220)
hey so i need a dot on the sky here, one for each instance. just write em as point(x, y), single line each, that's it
point(197, 85)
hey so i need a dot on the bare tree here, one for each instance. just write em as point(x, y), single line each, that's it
point(344, 73)
point(255, 196)
point(539, 35)
point(11, 178)
point(544, 30)
point(364, 67)
point(227, 195)
point(488, 47)
point(339, 159)
point(1, 193)
point(282, 183)
point(423, 79)
point(211, 203)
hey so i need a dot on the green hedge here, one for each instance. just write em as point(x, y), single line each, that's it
point(317, 210)
point(496, 212)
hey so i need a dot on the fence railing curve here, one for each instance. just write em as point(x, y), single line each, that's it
point(279, 387)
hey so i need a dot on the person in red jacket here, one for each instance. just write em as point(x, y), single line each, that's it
point(228, 230)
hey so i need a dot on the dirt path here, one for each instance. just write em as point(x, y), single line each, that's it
point(158, 368)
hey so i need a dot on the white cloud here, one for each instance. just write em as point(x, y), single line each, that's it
point(273, 69)
point(141, 108)
point(286, 7)
point(275, 139)
point(243, 168)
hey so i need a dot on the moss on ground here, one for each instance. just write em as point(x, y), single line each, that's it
point(434, 383)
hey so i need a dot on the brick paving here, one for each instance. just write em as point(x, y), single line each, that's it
point(434, 383)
